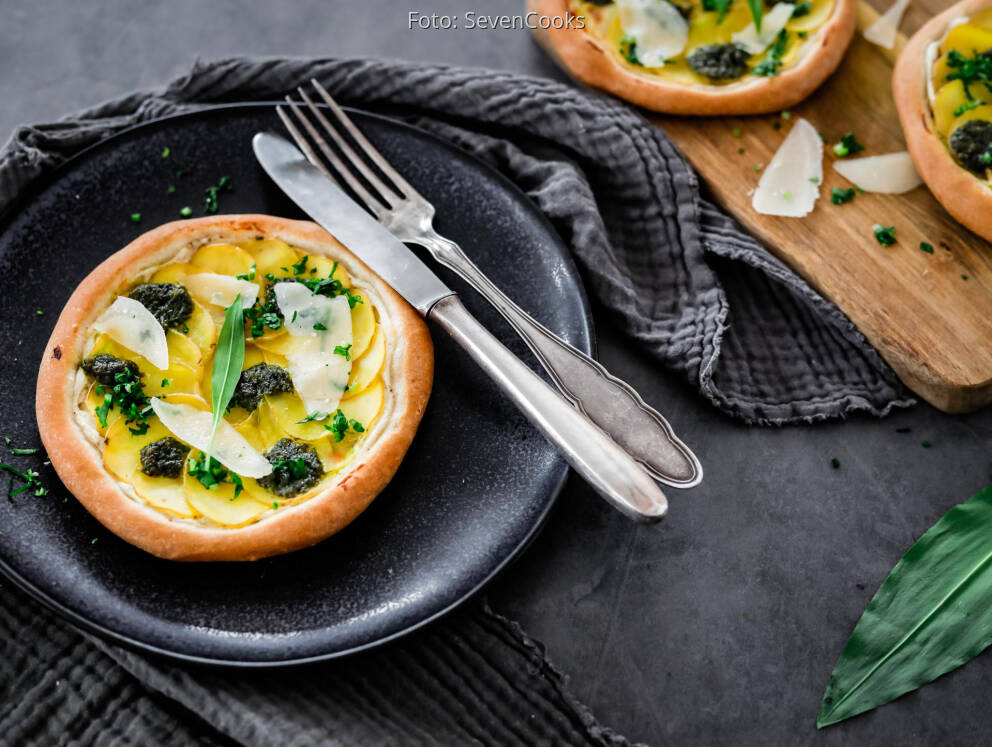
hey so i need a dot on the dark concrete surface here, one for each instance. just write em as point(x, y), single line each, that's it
point(719, 626)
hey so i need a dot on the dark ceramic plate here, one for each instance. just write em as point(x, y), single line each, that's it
point(472, 491)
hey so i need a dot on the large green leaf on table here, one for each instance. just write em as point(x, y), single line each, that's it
point(931, 615)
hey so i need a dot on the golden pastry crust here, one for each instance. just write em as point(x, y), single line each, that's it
point(587, 59)
point(408, 379)
point(964, 195)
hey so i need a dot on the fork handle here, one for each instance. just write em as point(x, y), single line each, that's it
point(609, 402)
point(593, 454)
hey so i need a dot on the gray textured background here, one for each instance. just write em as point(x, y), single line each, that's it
point(720, 626)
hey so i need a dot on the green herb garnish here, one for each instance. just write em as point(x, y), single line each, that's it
point(211, 195)
point(628, 50)
point(170, 190)
point(313, 416)
point(136, 217)
point(767, 68)
point(23, 452)
point(300, 267)
point(848, 145)
point(186, 211)
point(213, 475)
point(340, 424)
point(835, 463)
point(970, 70)
point(886, 236)
point(736, 132)
point(166, 151)
point(926, 246)
point(320, 327)
point(839, 196)
point(344, 350)
point(968, 106)
point(250, 275)
point(29, 478)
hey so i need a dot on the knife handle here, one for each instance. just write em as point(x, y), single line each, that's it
point(595, 456)
point(609, 402)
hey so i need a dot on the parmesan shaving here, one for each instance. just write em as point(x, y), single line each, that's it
point(790, 184)
point(132, 325)
point(892, 173)
point(883, 32)
point(656, 27)
point(220, 290)
point(756, 42)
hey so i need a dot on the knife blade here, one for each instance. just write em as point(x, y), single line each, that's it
point(346, 221)
point(610, 470)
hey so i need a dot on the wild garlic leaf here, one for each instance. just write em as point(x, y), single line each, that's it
point(931, 615)
point(229, 356)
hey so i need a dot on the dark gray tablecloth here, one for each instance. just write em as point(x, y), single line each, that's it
point(682, 280)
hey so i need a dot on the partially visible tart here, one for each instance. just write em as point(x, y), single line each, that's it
point(700, 56)
point(326, 403)
point(943, 91)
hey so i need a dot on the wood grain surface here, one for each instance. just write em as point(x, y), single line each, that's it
point(929, 315)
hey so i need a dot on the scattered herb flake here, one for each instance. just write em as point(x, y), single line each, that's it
point(926, 247)
point(968, 106)
point(835, 463)
point(885, 235)
point(925, 444)
point(211, 195)
point(628, 50)
point(848, 145)
point(136, 217)
point(186, 211)
point(23, 452)
point(300, 267)
point(736, 132)
point(320, 327)
point(166, 151)
point(170, 190)
point(786, 115)
point(344, 350)
point(839, 196)
point(39, 312)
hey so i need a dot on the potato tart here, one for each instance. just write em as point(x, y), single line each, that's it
point(705, 57)
point(336, 375)
point(943, 90)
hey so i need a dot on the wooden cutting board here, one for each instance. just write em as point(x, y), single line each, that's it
point(929, 315)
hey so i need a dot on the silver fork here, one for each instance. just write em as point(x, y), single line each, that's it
point(610, 403)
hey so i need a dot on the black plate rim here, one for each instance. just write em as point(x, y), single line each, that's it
point(79, 621)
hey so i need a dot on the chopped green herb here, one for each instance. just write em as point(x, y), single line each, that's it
point(94, 540)
point(925, 444)
point(300, 267)
point(320, 327)
point(274, 505)
point(23, 452)
point(344, 350)
point(186, 211)
point(801, 9)
point(814, 180)
point(970, 70)
point(214, 475)
point(839, 196)
point(166, 382)
point(964, 277)
point(787, 195)
point(835, 463)
point(848, 145)
point(295, 312)
point(29, 480)
point(339, 426)
point(313, 416)
point(757, 167)
point(968, 106)
point(628, 50)
point(767, 68)
point(166, 151)
point(39, 312)
point(786, 115)
point(926, 247)
point(886, 236)
point(777, 125)
point(736, 132)
point(170, 190)
point(136, 217)
point(352, 298)
point(211, 198)
point(250, 275)
point(120, 384)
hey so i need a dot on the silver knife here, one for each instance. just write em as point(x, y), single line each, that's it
point(590, 452)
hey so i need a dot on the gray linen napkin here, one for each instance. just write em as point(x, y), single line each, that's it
point(680, 278)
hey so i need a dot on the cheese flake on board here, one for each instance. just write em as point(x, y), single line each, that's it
point(790, 184)
point(132, 325)
point(891, 173)
point(657, 28)
point(194, 427)
point(883, 32)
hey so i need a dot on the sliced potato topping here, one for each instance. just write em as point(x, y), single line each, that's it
point(233, 500)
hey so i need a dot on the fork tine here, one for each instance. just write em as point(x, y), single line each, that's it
point(371, 202)
point(370, 150)
point(388, 193)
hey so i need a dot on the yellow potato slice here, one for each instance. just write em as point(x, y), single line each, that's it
point(367, 367)
point(281, 343)
point(183, 350)
point(269, 430)
point(362, 325)
point(185, 398)
point(324, 265)
point(274, 359)
point(219, 504)
point(121, 455)
point(224, 259)
point(249, 428)
point(335, 455)
point(817, 16)
point(253, 356)
point(966, 39)
point(165, 493)
point(178, 378)
point(201, 329)
point(272, 258)
point(365, 406)
point(284, 412)
point(948, 99)
point(173, 273)
point(982, 19)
